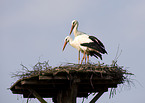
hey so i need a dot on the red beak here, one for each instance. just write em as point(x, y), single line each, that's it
point(64, 45)
point(71, 29)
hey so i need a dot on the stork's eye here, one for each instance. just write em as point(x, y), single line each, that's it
point(65, 39)
point(74, 23)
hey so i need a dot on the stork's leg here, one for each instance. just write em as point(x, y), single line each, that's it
point(87, 58)
point(84, 56)
point(79, 58)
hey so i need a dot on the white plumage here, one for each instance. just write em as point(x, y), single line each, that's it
point(76, 44)
point(89, 45)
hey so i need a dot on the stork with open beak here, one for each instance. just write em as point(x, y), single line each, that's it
point(90, 39)
point(87, 45)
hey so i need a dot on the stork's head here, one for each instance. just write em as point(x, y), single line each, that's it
point(74, 23)
point(67, 39)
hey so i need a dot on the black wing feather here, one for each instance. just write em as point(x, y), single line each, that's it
point(97, 41)
point(93, 53)
point(96, 44)
point(92, 45)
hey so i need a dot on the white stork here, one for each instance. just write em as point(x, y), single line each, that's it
point(74, 43)
point(74, 28)
point(89, 45)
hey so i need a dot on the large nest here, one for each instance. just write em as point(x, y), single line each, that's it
point(101, 70)
point(43, 68)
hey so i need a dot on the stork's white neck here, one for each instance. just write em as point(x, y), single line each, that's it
point(76, 30)
point(74, 43)
point(70, 40)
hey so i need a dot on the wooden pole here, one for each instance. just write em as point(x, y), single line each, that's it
point(68, 94)
point(37, 95)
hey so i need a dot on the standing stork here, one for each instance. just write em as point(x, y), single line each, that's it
point(74, 28)
point(89, 45)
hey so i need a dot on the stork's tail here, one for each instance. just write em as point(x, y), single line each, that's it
point(95, 54)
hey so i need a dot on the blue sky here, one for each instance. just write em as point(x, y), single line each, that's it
point(33, 29)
